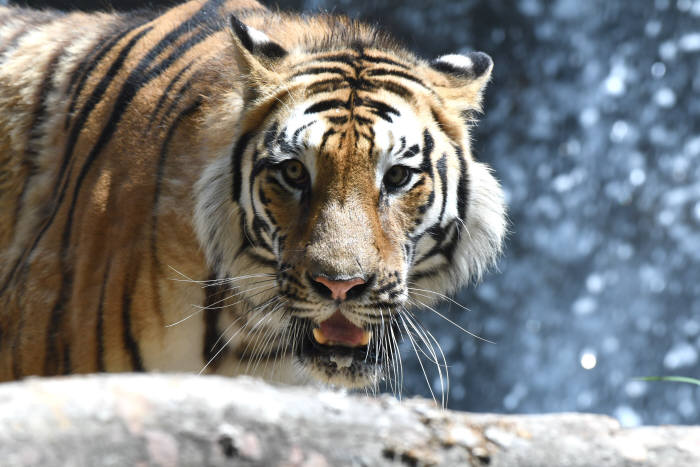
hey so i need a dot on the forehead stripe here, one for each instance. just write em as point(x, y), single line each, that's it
point(399, 74)
point(322, 106)
point(320, 70)
point(388, 61)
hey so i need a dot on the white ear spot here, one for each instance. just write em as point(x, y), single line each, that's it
point(258, 37)
point(457, 61)
point(471, 65)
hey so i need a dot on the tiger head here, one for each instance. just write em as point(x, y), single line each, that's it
point(350, 191)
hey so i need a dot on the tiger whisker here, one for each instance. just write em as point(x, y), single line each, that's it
point(212, 306)
point(420, 362)
point(247, 317)
point(452, 322)
point(442, 296)
point(426, 336)
point(228, 341)
point(199, 308)
point(213, 282)
point(259, 345)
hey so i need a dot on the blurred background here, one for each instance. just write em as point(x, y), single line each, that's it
point(592, 124)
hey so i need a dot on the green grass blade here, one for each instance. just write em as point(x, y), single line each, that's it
point(675, 379)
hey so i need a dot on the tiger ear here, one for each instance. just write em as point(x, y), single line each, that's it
point(463, 78)
point(256, 54)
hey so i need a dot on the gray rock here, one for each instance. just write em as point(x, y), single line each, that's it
point(130, 420)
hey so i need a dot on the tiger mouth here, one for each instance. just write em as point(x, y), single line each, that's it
point(337, 346)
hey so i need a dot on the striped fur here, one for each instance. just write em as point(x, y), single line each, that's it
point(141, 186)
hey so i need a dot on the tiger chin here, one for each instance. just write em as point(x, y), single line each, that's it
point(224, 189)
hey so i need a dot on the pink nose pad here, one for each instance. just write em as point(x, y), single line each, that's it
point(339, 289)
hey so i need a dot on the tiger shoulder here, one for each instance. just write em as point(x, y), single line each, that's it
point(221, 188)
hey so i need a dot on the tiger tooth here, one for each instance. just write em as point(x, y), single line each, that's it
point(366, 336)
point(320, 338)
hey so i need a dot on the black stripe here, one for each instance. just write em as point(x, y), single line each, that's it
point(297, 132)
point(132, 347)
point(442, 173)
point(402, 140)
point(329, 132)
point(166, 93)
point(52, 364)
point(211, 317)
point(394, 88)
point(99, 331)
point(181, 93)
point(160, 170)
point(384, 72)
point(445, 242)
point(17, 347)
point(236, 161)
point(85, 69)
point(410, 152)
point(428, 145)
point(66, 366)
point(270, 136)
point(326, 85)
point(462, 186)
point(345, 58)
point(380, 109)
point(322, 106)
point(38, 118)
point(375, 59)
point(319, 71)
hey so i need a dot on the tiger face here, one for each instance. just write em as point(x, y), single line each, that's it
point(351, 191)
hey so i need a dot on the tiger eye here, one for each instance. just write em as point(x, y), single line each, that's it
point(396, 177)
point(294, 173)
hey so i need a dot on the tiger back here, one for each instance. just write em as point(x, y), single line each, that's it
point(221, 188)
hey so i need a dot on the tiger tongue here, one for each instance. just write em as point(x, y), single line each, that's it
point(339, 330)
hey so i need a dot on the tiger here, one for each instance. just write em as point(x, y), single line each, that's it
point(219, 188)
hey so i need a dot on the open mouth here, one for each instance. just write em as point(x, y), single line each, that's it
point(337, 344)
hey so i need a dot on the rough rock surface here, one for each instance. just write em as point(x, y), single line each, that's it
point(139, 420)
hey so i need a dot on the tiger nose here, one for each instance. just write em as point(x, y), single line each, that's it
point(340, 289)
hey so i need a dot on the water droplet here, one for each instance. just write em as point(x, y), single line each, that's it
point(636, 388)
point(627, 416)
point(589, 116)
point(658, 70)
point(619, 131)
point(684, 5)
point(652, 28)
point(584, 306)
point(588, 359)
point(668, 50)
point(680, 355)
point(614, 85)
point(595, 283)
point(665, 97)
point(637, 177)
point(690, 42)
